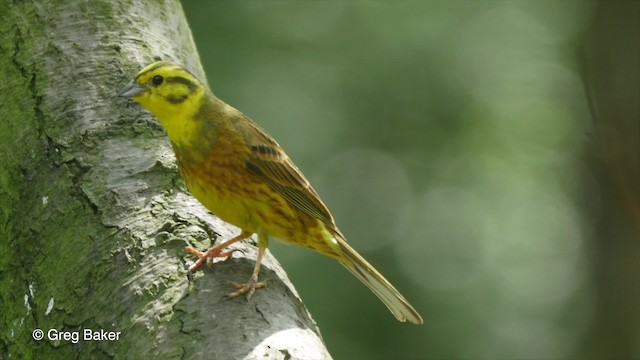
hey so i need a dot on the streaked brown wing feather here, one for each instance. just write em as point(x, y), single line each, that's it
point(269, 161)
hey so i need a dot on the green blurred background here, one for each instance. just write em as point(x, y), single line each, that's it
point(483, 155)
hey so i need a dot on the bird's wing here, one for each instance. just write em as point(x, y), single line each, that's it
point(269, 161)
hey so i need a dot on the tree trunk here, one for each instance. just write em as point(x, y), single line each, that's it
point(93, 214)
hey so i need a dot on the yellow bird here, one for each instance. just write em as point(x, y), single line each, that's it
point(241, 174)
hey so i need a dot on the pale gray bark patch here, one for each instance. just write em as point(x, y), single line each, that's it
point(105, 247)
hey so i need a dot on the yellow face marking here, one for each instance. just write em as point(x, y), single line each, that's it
point(174, 96)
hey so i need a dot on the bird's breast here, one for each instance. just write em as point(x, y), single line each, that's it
point(222, 182)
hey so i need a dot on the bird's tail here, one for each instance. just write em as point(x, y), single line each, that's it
point(358, 266)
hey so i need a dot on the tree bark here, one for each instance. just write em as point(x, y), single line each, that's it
point(93, 214)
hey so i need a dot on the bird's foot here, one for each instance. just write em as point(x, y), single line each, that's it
point(208, 256)
point(247, 288)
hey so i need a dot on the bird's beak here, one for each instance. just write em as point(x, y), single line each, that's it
point(131, 89)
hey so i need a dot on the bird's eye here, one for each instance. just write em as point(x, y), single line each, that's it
point(157, 80)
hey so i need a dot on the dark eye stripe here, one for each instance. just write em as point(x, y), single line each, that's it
point(180, 80)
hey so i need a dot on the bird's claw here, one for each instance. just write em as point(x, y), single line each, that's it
point(247, 288)
point(214, 252)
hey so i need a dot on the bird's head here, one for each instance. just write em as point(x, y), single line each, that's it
point(167, 90)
